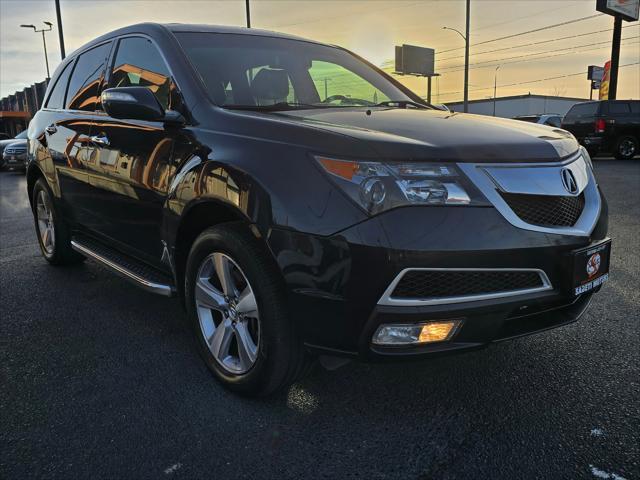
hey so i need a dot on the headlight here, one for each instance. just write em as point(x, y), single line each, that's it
point(378, 186)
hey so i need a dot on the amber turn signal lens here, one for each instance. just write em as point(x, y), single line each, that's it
point(341, 168)
point(416, 334)
point(436, 331)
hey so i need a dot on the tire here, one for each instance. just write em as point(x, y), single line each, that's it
point(626, 147)
point(56, 245)
point(257, 350)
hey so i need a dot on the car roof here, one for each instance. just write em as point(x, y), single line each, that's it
point(151, 28)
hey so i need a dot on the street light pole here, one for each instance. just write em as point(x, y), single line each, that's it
point(495, 88)
point(248, 13)
point(60, 34)
point(44, 41)
point(466, 60)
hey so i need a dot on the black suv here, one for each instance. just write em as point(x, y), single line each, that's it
point(301, 201)
point(608, 126)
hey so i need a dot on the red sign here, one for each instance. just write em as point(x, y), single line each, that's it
point(604, 85)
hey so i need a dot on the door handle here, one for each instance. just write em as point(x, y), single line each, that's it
point(51, 129)
point(100, 139)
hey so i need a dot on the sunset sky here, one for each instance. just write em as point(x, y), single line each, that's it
point(371, 29)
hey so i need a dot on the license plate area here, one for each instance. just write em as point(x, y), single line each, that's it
point(591, 267)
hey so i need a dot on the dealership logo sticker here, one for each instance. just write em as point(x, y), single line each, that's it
point(569, 181)
point(593, 264)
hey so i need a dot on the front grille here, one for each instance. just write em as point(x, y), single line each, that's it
point(15, 151)
point(546, 210)
point(460, 283)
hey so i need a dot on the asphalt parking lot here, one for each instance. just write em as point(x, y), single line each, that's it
point(99, 380)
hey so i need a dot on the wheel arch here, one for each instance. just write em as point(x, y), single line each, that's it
point(197, 218)
point(33, 174)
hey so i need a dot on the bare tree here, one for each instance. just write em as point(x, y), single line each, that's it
point(559, 91)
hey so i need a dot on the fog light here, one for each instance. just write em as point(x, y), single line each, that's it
point(415, 334)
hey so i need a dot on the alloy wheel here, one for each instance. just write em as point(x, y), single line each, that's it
point(627, 147)
point(227, 313)
point(46, 229)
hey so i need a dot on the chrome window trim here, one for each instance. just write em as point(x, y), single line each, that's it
point(480, 175)
point(388, 300)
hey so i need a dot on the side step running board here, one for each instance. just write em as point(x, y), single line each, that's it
point(141, 275)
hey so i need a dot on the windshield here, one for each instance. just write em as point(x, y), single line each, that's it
point(255, 71)
point(22, 134)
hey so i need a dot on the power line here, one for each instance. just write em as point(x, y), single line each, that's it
point(532, 81)
point(537, 43)
point(333, 17)
point(500, 61)
point(544, 12)
point(561, 24)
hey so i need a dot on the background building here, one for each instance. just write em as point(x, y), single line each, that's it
point(517, 105)
point(17, 109)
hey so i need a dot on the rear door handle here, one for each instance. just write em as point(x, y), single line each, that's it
point(51, 129)
point(100, 139)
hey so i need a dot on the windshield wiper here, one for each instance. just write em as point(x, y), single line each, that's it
point(401, 104)
point(276, 107)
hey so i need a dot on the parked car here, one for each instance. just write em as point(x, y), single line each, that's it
point(6, 141)
point(608, 126)
point(211, 163)
point(551, 119)
point(15, 155)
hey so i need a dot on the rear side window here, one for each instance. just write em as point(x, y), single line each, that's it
point(584, 109)
point(56, 99)
point(84, 87)
point(138, 63)
point(581, 110)
point(619, 107)
point(635, 107)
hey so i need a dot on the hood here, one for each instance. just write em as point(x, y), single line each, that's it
point(21, 142)
point(4, 143)
point(417, 134)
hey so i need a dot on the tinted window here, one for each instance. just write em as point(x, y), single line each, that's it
point(619, 107)
point(56, 99)
point(84, 87)
point(583, 109)
point(138, 63)
point(282, 70)
point(554, 121)
point(635, 107)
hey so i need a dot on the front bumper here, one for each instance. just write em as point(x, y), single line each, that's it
point(335, 283)
point(14, 161)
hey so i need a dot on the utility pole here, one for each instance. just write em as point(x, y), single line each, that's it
point(248, 14)
point(466, 61)
point(60, 34)
point(44, 41)
point(466, 55)
point(615, 57)
point(495, 88)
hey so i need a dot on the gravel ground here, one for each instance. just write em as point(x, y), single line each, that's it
point(99, 379)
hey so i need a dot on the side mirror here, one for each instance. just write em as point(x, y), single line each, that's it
point(133, 103)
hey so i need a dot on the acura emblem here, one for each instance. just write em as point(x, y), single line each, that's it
point(569, 181)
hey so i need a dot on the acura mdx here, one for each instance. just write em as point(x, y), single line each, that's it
point(302, 202)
